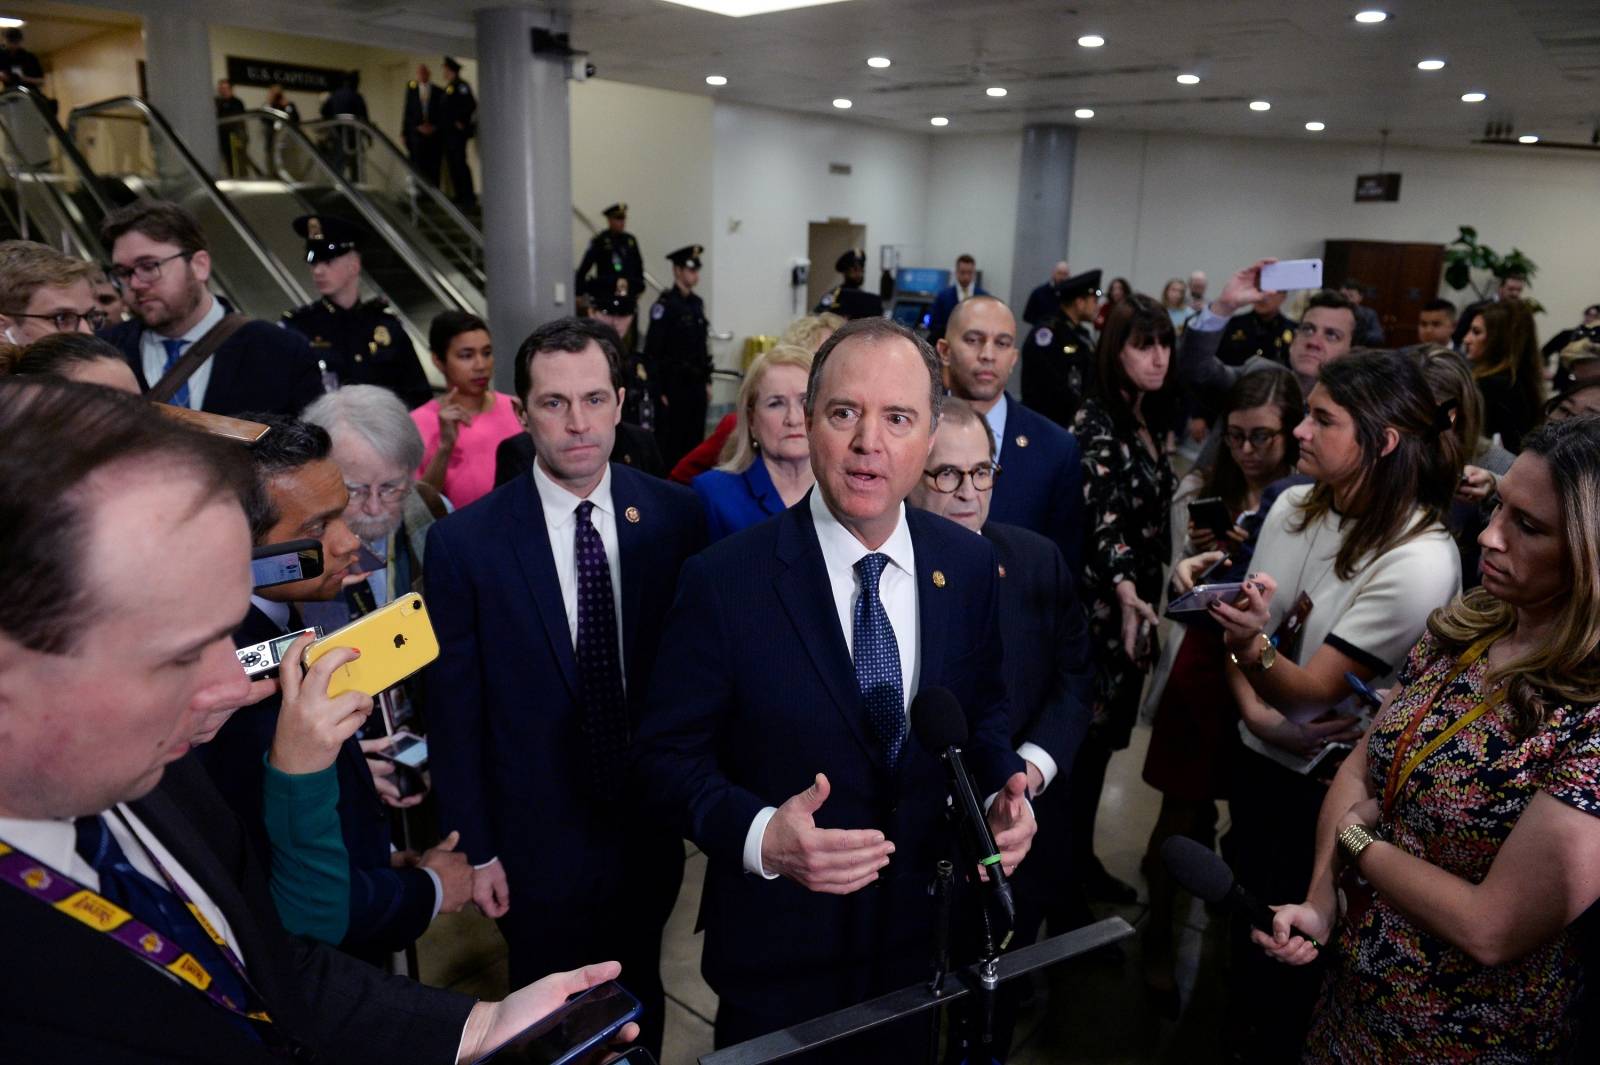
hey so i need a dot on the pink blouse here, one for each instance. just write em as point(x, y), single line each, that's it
point(470, 473)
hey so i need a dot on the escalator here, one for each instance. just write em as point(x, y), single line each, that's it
point(48, 193)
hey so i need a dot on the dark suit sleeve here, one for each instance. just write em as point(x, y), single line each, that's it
point(305, 377)
point(993, 760)
point(389, 908)
point(1066, 507)
point(1064, 718)
point(1201, 373)
point(676, 756)
point(457, 728)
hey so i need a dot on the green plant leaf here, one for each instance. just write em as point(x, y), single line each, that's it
point(1458, 275)
point(1469, 235)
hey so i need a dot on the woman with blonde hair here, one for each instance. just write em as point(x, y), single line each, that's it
point(765, 465)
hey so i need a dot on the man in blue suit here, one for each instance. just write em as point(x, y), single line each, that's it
point(548, 597)
point(1040, 484)
point(945, 301)
point(777, 724)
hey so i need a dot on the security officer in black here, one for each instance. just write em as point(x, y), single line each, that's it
point(676, 349)
point(848, 299)
point(1058, 361)
point(612, 253)
point(1264, 331)
point(616, 309)
point(460, 123)
point(357, 343)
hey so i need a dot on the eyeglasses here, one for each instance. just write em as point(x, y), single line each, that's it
point(67, 321)
point(1256, 438)
point(1333, 336)
point(948, 479)
point(145, 270)
point(388, 491)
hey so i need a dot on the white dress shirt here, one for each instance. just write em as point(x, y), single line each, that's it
point(561, 522)
point(153, 353)
point(897, 591)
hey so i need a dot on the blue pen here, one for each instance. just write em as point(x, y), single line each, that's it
point(1363, 692)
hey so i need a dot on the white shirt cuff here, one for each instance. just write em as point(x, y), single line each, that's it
point(752, 844)
point(486, 864)
point(990, 802)
point(1032, 752)
point(438, 892)
point(1207, 321)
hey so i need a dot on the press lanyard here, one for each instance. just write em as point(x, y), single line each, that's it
point(33, 877)
point(1401, 768)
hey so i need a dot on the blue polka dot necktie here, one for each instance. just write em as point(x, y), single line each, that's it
point(180, 398)
point(877, 660)
point(605, 710)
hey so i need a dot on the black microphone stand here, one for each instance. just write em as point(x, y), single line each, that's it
point(943, 875)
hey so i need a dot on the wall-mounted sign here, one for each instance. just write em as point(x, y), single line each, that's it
point(265, 72)
point(1378, 188)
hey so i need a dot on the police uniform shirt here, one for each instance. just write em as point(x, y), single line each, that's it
point(1250, 334)
point(459, 106)
point(611, 255)
point(676, 345)
point(850, 302)
point(365, 345)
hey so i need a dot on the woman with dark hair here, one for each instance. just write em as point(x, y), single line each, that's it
point(1463, 828)
point(1127, 487)
point(1347, 571)
point(1116, 294)
point(77, 357)
point(1503, 347)
point(461, 430)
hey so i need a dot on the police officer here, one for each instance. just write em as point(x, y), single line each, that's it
point(1058, 361)
point(848, 299)
point(612, 254)
point(616, 310)
point(357, 343)
point(1265, 331)
point(676, 348)
point(460, 123)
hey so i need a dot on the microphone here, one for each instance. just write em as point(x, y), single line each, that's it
point(940, 726)
point(1203, 873)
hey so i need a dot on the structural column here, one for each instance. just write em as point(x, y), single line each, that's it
point(524, 145)
point(1044, 206)
point(177, 48)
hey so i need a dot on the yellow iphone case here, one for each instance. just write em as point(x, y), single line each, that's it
point(395, 641)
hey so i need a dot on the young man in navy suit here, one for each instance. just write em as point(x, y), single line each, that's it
point(548, 597)
point(777, 725)
point(1040, 485)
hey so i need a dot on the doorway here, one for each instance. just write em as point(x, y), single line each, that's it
point(825, 242)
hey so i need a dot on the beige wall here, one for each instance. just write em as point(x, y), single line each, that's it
point(98, 68)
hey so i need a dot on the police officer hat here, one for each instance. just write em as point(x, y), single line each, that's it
point(450, 62)
point(1079, 285)
point(687, 257)
point(616, 210)
point(619, 302)
point(850, 260)
point(327, 237)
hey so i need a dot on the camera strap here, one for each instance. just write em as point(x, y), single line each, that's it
point(195, 357)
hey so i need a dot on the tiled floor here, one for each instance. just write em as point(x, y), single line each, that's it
point(1089, 1010)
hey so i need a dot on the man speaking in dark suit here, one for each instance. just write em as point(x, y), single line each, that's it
point(1040, 485)
point(125, 553)
point(777, 729)
point(548, 597)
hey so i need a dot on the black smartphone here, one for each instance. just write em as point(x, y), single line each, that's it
point(636, 1056)
point(408, 753)
point(583, 1024)
point(285, 563)
point(1211, 514)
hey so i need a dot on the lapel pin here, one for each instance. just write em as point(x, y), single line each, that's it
point(938, 578)
point(632, 514)
point(1002, 570)
point(1022, 441)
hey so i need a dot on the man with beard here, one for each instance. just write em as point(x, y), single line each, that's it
point(161, 265)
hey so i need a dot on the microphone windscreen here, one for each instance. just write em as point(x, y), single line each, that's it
point(1199, 869)
point(937, 719)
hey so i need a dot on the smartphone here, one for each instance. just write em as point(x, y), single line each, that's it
point(1198, 599)
point(1212, 514)
point(285, 563)
point(1363, 691)
point(1291, 274)
point(409, 754)
point(579, 1026)
point(395, 641)
point(636, 1056)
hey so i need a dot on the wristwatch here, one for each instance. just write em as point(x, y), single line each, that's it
point(1269, 655)
point(1354, 839)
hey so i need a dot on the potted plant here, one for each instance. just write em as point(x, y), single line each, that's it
point(1466, 261)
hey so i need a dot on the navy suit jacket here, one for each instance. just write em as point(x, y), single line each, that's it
point(735, 501)
point(1040, 486)
point(506, 743)
point(754, 693)
point(943, 303)
point(262, 367)
point(389, 908)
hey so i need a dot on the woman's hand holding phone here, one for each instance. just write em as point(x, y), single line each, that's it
point(1185, 575)
point(312, 725)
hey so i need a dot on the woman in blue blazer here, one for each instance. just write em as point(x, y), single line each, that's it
point(766, 464)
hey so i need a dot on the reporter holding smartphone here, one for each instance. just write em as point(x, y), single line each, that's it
point(1127, 486)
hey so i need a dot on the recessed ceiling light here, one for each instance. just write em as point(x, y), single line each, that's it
point(842, 104)
point(1188, 79)
point(938, 120)
point(1091, 40)
point(1315, 127)
point(878, 62)
point(995, 90)
point(1370, 17)
point(1083, 112)
point(1528, 138)
point(716, 79)
point(742, 8)
point(1431, 64)
point(1473, 97)
point(1260, 105)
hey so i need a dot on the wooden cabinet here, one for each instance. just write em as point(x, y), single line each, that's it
point(1396, 280)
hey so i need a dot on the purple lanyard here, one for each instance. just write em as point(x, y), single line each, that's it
point(33, 877)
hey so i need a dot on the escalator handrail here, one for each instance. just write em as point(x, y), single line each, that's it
point(89, 245)
point(293, 290)
point(70, 230)
point(438, 198)
point(441, 287)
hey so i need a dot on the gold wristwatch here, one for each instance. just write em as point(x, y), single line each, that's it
point(1353, 839)
point(1269, 655)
